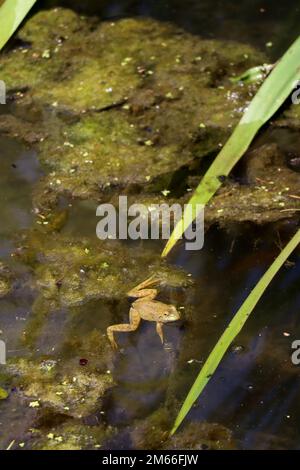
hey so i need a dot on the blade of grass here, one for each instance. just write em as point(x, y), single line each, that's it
point(232, 330)
point(12, 13)
point(270, 96)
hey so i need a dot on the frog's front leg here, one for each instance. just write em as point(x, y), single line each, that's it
point(159, 331)
point(134, 319)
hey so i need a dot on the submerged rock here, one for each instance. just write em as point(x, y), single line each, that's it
point(110, 114)
point(153, 433)
point(60, 385)
point(71, 436)
point(74, 270)
point(202, 436)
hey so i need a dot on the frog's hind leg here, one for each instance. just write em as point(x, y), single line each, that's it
point(141, 290)
point(134, 319)
point(159, 331)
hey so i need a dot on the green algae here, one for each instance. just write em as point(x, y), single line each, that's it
point(70, 272)
point(153, 433)
point(3, 394)
point(5, 280)
point(62, 386)
point(154, 100)
point(71, 436)
point(156, 124)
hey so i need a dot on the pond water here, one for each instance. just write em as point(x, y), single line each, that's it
point(254, 392)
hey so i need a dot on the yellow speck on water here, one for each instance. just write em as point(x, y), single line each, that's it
point(149, 143)
point(165, 192)
point(22, 444)
point(147, 178)
point(202, 125)
point(46, 54)
point(34, 404)
point(126, 61)
point(50, 435)
point(170, 95)
point(269, 44)
point(86, 250)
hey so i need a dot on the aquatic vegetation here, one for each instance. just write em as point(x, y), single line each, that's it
point(3, 394)
point(266, 102)
point(274, 91)
point(62, 386)
point(138, 124)
point(12, 13)
point(233, 329)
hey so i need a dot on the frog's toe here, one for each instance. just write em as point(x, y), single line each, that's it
point(114, 345)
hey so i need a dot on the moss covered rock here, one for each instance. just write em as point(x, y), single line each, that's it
point(65, 386)
point(112, 112)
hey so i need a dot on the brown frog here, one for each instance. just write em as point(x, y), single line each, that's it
point(146, 308)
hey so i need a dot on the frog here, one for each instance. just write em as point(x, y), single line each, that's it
point(145, 308)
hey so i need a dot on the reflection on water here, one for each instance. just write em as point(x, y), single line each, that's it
point(255, 390)
point(19, 170)
point(249, 21)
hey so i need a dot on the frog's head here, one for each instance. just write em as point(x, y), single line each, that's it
point(171, 314)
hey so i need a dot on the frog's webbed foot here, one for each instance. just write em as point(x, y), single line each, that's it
point(111, 338)
point(159, 331)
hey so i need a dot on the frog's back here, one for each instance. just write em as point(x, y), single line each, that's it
point(150, 310)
